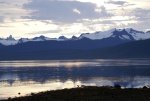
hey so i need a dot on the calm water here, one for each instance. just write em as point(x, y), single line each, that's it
point(35, 76)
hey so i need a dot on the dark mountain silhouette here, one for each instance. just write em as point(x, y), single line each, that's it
point(81, 44)
point(1, 45)
point(62, 37)
point(135, 49)
point(40, 37)
point(74, 38)
point(83, 49)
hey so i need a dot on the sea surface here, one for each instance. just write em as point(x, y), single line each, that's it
point(29, 76)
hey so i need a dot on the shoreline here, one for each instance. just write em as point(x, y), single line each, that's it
point(89, 93)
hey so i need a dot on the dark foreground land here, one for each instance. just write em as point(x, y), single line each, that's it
point(89, 94)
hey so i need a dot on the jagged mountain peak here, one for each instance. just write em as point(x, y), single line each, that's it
point(122, 34)
point(40, 38)
point(74, 38)
point(10, 38)
point(148, 32)
point(62, 38)
point(8, 41)
point(131, 30)
point(83, 35)
point(118, 33)
point(22, 40)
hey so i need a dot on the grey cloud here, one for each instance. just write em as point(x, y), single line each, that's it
point(104, 12)
point(143, 18)
point(1, 19)
point(116, 2)
point(126, 5)
point(2, 2)
point(141, 14)
point(120, 3)
point(46, 32)
point(46, 22)
point(26, 24)
point(107, 22)
point(62, 11)
point(140, 25)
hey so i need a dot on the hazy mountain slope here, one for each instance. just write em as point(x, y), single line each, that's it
point(136, 49)
point(82, 44)
point(1, 45)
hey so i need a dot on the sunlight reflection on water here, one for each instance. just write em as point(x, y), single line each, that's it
point(41, 75)
point(74, 63)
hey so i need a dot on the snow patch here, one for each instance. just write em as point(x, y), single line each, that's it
point(123, 34)
point(8, 42)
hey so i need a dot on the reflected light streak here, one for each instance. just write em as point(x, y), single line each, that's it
point(74, 63)
point(26, 87)
point(12, 91)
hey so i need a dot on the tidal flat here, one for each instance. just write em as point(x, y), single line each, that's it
point(89, 93)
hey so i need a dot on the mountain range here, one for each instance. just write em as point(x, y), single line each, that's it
point(123, 34)
point(114, 43)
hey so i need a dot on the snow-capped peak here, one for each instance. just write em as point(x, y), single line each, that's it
point(8, 41)
point(131, 30)
point(22, 40)
point(97, 35)
point(40, 38)
point(124, 34)
point(148, 32)
point(137, 35)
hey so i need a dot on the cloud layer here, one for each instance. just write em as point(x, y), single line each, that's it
point(63, 11)
point(70, 17)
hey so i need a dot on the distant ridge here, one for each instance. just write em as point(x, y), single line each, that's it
point(134, 49)
point(115, 43)
point(127, 34)
point(26, 51)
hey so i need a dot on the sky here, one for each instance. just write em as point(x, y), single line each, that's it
point(54, 18)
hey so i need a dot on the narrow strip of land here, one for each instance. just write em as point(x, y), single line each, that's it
point(89, 93)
